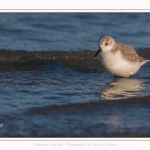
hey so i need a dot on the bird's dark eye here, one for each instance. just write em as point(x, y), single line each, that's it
point(106, 44)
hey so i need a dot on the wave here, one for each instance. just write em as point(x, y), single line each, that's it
point(79, 60)
point(27, 56)
point(90, 106)
point(21, 59)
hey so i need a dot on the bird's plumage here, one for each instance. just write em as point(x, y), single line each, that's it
point(118, 58)
point(128, 53)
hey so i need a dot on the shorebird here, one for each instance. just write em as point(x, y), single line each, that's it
point(118, 58)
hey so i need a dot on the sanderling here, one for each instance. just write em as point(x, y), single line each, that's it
point(119, 59)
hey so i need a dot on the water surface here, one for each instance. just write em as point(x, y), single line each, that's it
point(51, 85)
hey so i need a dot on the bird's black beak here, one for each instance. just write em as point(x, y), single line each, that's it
point(99, 50)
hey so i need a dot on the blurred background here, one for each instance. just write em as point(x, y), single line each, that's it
point(71, 31)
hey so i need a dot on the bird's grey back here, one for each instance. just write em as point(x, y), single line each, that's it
point(128, 53)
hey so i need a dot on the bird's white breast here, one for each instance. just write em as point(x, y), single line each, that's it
point(116, 64)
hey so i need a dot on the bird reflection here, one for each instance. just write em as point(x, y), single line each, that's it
point(121, 88)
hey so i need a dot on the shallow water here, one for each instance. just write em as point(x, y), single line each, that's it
point(51, 85)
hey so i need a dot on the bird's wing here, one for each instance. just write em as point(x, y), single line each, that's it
point(128, 53)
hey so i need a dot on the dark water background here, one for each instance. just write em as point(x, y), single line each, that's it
point(51, 86)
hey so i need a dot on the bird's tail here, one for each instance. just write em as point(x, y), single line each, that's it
point(143, 60)
point(147, 60)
